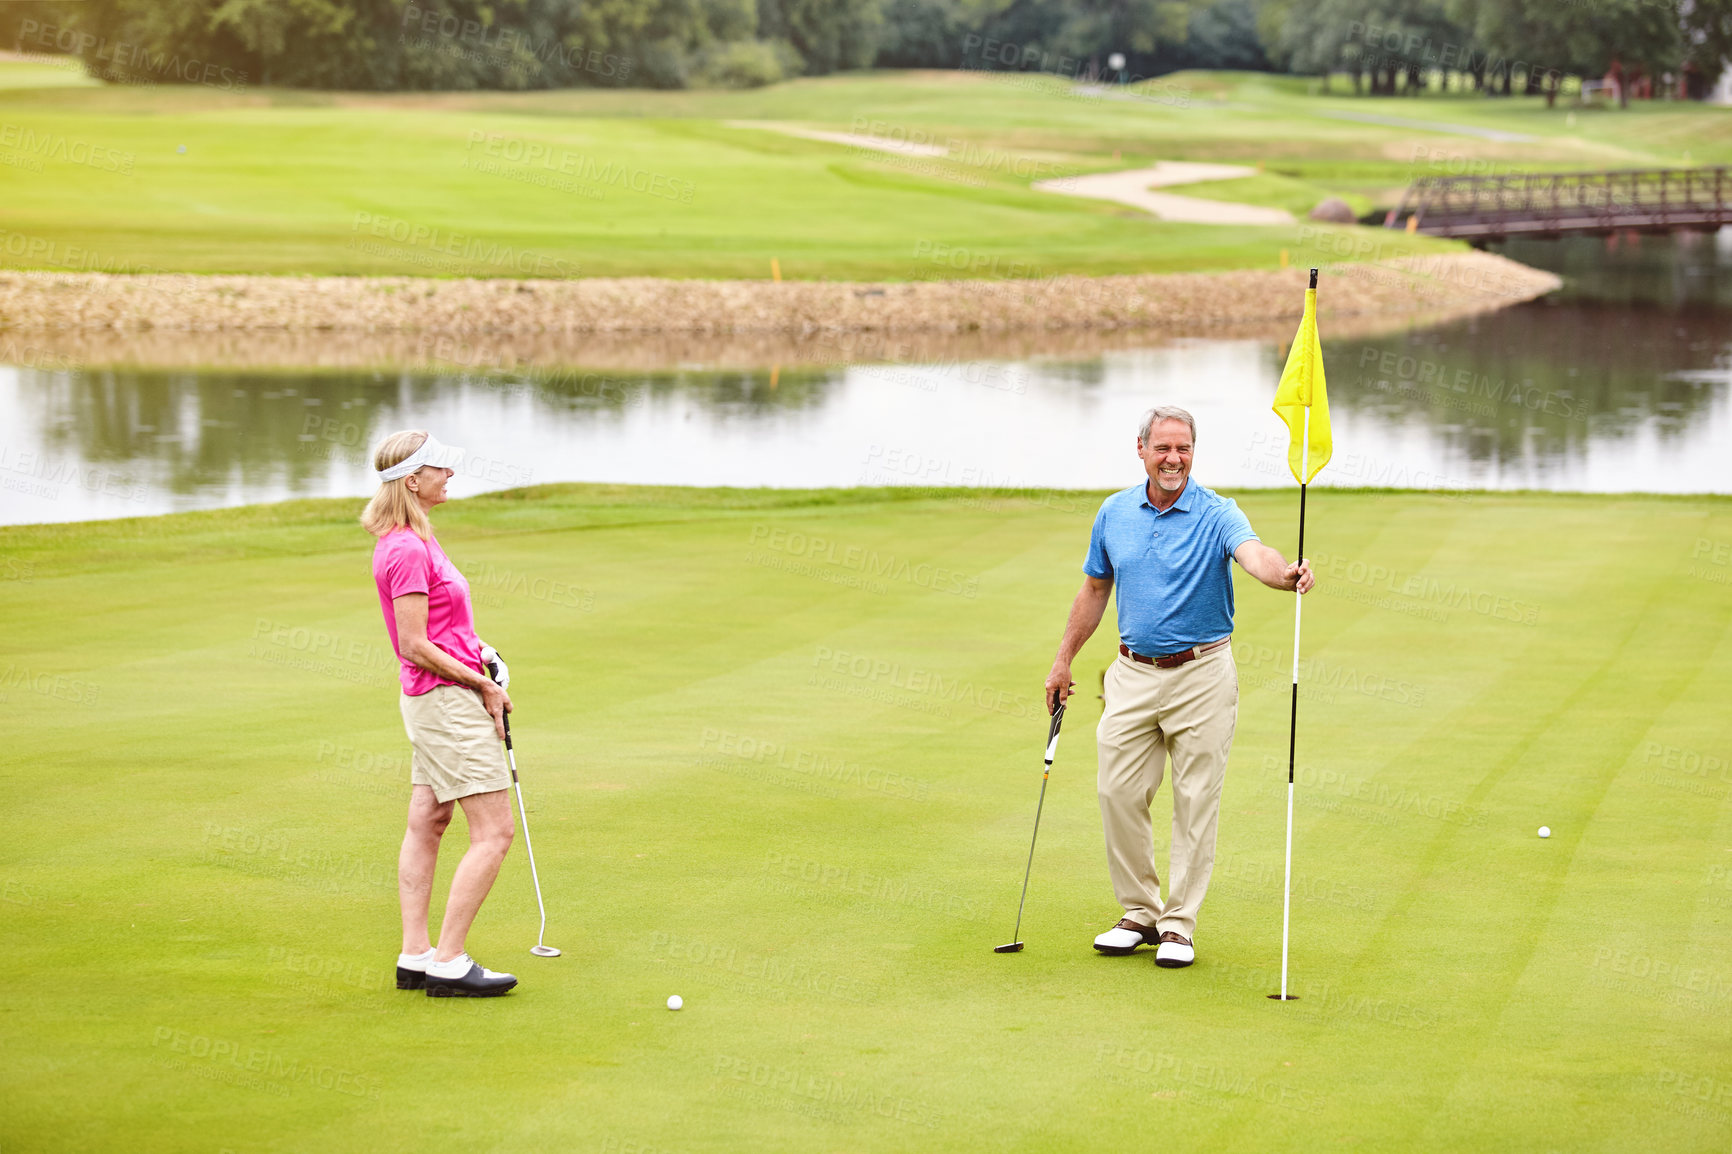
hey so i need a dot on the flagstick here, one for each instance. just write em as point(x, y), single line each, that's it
point(1293, 720)
point(1293, 723)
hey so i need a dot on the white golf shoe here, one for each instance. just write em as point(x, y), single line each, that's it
point(1125, 937)
point(1174, 951)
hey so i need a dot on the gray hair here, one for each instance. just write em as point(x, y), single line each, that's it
point(1165, 413)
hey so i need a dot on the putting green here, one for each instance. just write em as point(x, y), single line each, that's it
point(781, 751)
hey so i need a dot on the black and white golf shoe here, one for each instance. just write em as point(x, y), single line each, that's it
point(1125, 937)
point(412, 970)
point(462, 977)
point(1175, 951)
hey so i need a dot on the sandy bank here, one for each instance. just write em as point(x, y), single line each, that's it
point(1409, 289)
point(68, 349)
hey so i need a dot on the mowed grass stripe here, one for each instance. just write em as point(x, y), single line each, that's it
point(1331, 960)
point(1629, 902)
point(1578, 760)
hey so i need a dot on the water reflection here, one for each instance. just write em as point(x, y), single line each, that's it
point(1535, 385)
point(205, 434)
point(1686, 270)
point(1619, 382)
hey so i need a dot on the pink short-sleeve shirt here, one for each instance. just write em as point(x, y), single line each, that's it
point(403, 563)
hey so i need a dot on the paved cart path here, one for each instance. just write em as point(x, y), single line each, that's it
point(1497, 134)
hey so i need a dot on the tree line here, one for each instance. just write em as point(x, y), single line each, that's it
point(1498, 46)
point(1654, 47)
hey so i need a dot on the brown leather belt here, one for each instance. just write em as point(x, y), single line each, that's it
point(1173, 660)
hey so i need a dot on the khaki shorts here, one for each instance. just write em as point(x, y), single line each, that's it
point(457, 752)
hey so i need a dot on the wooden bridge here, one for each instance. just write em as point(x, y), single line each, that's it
point(1559, 203)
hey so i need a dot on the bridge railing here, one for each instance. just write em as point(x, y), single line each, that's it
point(1567, 201)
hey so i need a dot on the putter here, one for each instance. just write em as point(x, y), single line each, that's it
point(1015, 943)
point(539, 949)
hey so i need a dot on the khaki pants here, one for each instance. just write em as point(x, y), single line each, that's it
point(1186, 713)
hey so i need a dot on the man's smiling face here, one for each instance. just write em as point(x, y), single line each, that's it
point(1167, 455)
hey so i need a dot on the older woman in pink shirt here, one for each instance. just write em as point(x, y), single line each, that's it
point(452, 710)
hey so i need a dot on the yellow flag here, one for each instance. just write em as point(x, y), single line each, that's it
point(1301, 391)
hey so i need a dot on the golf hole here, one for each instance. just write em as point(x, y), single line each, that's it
point(1284, 997)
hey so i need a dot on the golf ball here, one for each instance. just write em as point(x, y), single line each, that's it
point(1545, 831)
point(675, 1002)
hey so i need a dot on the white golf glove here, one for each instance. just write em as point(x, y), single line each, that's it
point(495, 666)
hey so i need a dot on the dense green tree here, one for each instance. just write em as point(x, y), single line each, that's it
point(1707, 40)
point(1385, 45)
point(1078, 37)
point(828, 34)
point(1534, 46)
point(1309, 37)
point(921, 34)
point(1221, 35)
point(32, 26)
point(1630, 39)
point(1504, 45)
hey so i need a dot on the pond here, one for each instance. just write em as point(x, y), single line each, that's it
point(1620, 382)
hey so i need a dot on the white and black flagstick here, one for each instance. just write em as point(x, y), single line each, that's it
point(1293, 735)
point(1293, 717)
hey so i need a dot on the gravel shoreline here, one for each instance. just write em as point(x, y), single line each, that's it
point(66, 350)
point(96, 303)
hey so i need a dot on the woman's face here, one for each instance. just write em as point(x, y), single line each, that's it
point(428, 485)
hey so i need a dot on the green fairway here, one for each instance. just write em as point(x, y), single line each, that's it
point(781, 751)
point(622, 183)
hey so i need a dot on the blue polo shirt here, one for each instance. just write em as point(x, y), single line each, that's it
point(1173, 570)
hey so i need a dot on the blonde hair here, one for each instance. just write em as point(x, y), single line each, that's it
point(394, 507)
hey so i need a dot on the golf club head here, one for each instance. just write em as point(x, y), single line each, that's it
point(544, 951)
point(1008, 948)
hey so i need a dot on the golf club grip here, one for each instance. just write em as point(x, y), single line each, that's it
point(1052, 733)
point(506, 718)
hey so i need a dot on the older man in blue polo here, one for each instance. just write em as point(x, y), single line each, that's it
point(1167, 544)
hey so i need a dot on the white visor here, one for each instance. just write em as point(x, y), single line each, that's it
point(431, 453)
